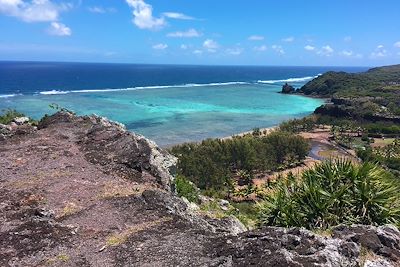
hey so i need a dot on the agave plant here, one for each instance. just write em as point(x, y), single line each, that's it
point(332, 193)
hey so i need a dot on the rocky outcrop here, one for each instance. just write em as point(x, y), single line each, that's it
point(110, 145)
point(83, 191)
point(288, 89)
point(348, 246)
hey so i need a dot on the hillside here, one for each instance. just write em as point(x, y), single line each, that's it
point(83, 191)
point(372, 95)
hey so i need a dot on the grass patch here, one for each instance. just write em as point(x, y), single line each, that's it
point(8, 115)
point(69, 209)
point(120, 238)
point(246, 212)
point(114, 190)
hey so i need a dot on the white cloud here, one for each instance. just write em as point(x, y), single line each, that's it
point(309, 48)
point(397, 44)
point(143, 15)
point(175, 15)
point(234, 51)
point(347, 39)
point(59, 29)
point(210, 45)
point(379, 52)
point(278, 49)
point(261, 48)
point(256, 38)
point(101, 10)
point(189, 33)
point(347, 53)
point(288, 39)
point(33, 11)
point(160, 46)
point(184, 47)
point(326, 50)
point(197, 52)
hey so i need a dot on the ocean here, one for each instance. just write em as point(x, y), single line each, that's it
point(169, 104)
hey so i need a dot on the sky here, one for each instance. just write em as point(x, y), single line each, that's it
point(211, 32)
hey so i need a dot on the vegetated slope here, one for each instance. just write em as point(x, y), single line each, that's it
point(82, 191)
point(370, 83)
point(373, 95)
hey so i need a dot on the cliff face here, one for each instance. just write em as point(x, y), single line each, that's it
point(82, 191)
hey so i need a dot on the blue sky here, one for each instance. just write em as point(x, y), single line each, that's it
point(252, 32)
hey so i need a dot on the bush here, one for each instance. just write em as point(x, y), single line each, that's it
point(212, 163)
point(8, 116)
point(185, 188)
point(333, 193)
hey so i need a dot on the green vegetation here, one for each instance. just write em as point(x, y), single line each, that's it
point(372, 96)
point(213, 163)
point(388, 155)
point(300, 125)
point(185, 188)
point(8, 115)
point(332, 193)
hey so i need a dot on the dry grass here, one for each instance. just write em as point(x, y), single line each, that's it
point(381, 142)
point(69, 209)
point(113, 190)
point(38, 178)
point(366, 255)
point(120, 238)
point(32, 199)
point(61, 258)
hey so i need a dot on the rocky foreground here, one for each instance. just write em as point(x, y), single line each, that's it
point(82, 191)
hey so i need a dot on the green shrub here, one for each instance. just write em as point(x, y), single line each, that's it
point(8, 116)
point(212, 163)
point(185, 188)
point(333, 193)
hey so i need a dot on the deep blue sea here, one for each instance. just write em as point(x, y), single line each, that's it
point(167, 103)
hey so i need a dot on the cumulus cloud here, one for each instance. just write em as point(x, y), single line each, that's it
point(288, 39)
point(188, 34)
point(278, 49)
point(309, 48)
point(197, 52)
point(143, 15)
point(379, 52)
point(261, 48)
point(234, 51)
point(59, 29)
point(33, 11)
point(175, 15)
point(101, 10)
point(210, 45)
point(38, 11)
point(184, 47)
point(160, 46)
point(347, 53)
point(326, 50)
point(256, 38)
point(347, 39)
point(397, 44)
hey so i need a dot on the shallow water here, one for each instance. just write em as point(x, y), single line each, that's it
point(179, 114)
point(167, 103)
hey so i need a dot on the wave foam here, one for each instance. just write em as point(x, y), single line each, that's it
point(9, 95)
point(55, 92)
point(290, 80)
